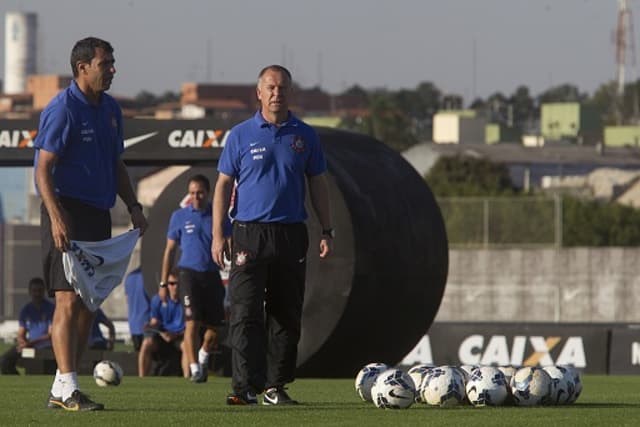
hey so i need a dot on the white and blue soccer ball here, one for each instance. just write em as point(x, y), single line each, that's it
point(107, 373)
point(530, 386)
point(366, 377)
point(467, 369)
point(486, 386)
point(562, 385)
point(443, 386)
point(574, 375)
point(393, 389)
point(417, 374)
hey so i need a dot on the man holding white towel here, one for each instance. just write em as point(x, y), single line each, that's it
point(78, 172)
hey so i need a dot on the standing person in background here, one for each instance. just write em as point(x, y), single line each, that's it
point(34, 327)
point(268, 156)
point(137, 306)
point(201, 287)
point(78, 173)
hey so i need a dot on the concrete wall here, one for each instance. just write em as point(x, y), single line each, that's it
point(543, 285)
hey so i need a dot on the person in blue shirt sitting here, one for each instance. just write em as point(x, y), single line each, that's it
point(34, 327)
point(163, 336)
point(97, 341)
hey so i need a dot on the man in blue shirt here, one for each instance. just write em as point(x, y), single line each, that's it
point(201, 287)
point(268, 158)
point(164, 334)
point(138, 306)
point(78, 172)
point(34, 327)
point(97, 341)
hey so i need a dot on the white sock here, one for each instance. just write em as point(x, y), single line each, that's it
point(69, 384)
point(56, 388)
point(203, 357)
point(195, 368)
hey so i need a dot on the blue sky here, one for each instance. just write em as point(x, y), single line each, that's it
point(337, 44)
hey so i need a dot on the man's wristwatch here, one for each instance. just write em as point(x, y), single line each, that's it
point(163, 284)
point(133, 206)
point(329, 232)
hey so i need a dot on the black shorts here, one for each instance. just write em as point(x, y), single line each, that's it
point(164, 349)
point(202, 295)
point(136, 339)
point(86, 223)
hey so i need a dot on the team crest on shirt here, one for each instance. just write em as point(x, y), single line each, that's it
point(298, 144)
point(114, 122)
point(241, 258)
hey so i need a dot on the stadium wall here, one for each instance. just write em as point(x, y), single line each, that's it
point(542, 285)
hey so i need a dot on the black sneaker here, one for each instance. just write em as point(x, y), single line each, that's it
point(79, 401)
point(54, 402)
point(246, 398)
point(200, 377)
point(277, 396)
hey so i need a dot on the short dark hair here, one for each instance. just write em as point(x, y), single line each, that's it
point(202, 180)
point(36, 281)
point(275, 67)
point(84, 50)
point(174, 272)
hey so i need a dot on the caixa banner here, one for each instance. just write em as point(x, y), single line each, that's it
point(584, 346)
point(624, 355)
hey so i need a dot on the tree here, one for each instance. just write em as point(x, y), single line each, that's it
point(594, 223)
point(522, 108)
point(605, 100)
point(467, 176)
point(563, 93)
point(388, 123)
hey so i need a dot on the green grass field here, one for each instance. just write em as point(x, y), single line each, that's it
point(606, 401)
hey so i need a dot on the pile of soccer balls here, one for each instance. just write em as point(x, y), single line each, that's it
point(476, 385)
point(107, 373)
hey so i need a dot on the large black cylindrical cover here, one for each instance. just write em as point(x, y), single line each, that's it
point(380, 289)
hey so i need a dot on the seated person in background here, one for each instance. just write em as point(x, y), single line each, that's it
point(138, 306)
point(34, 327)
point(97, 341)
point(165, 331)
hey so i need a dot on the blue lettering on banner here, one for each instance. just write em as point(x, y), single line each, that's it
point(85, 261)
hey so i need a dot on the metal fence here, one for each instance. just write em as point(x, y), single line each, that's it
point(483, 222)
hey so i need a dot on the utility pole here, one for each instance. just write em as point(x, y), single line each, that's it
point(624, 39)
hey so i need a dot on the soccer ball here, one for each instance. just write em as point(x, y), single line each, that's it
point(508, 372)
point(443, 386)
point(107, 373)
point(393, 389)
point(467, 369)
point(486, 386)
point(530, 386)
point(562, 386)
point(417, 374)
point(574, 374)
point(366, 377)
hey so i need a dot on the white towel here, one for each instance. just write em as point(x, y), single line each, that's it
point(94, 269)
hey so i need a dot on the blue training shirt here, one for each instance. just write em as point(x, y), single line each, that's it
point(37, 321)
point(169, 314)
point(88, 141)
point(137, 302)
point(191, 229)
point(269, 164)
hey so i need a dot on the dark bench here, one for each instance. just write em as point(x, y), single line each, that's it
point(44, 363)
